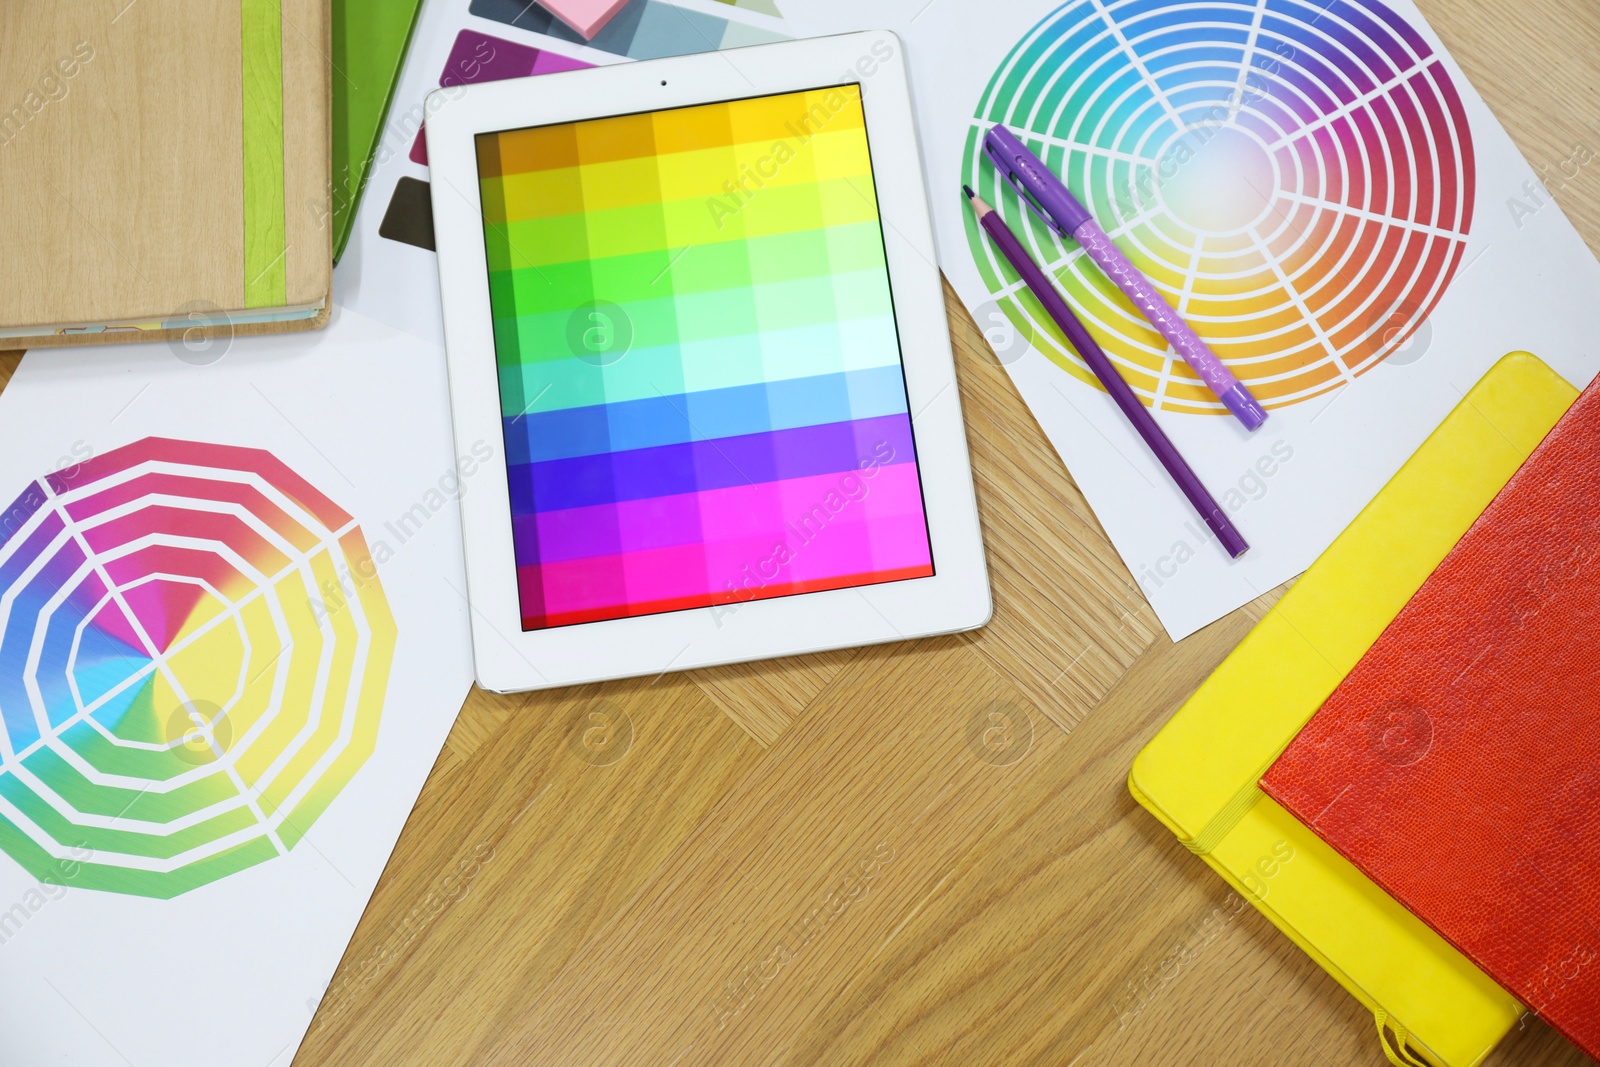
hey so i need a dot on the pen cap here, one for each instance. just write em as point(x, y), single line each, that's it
point(1034, 180)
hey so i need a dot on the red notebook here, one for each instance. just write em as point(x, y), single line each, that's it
point(1458, 765)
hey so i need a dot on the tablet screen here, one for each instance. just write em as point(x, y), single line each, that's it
point(700, 376)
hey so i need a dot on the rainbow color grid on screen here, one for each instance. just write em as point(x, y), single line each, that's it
point(1296, 176)
point(700, 373)
point(194, 655)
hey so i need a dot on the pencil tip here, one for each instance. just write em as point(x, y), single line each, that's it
point(970, 194)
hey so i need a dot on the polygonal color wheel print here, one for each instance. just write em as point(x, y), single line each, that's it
point(194, 655)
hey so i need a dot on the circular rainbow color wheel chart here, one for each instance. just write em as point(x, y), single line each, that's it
point(194, 653)
point(1296, 178)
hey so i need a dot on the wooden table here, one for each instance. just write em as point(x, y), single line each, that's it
point(820, 860)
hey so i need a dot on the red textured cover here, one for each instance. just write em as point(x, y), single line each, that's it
point(1458, 764)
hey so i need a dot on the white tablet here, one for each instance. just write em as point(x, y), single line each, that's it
point(699, 364)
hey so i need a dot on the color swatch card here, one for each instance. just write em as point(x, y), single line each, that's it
point(480, 57)
point(640, 29)
point(1455, 765)
point(1313, 184)
point(750, 393)
point(584, 17)
point(231, 646)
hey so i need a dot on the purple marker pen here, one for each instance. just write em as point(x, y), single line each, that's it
point(1045, 194)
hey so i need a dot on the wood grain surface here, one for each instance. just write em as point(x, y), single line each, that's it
point(921, 853)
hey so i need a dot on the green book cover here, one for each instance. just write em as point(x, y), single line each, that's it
point(370, 38)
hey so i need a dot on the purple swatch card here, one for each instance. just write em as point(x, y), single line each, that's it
point(478, 57)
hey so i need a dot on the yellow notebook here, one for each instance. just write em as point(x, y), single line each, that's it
point(1199, 774)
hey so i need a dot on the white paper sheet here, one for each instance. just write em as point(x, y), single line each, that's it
point(230, 972)
point(1526, 282)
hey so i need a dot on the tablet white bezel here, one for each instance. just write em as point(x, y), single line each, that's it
point(955, 598)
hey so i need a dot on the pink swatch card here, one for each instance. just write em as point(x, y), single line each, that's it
point(586, 17)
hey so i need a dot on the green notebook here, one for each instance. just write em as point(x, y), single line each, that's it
point(370, 38)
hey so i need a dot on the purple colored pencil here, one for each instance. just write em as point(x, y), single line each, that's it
point(1080, 338)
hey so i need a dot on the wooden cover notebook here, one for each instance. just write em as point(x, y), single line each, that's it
point(164, 169)
point(1199, 775)
point(1458, 764)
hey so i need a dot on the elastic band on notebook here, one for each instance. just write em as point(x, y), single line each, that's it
point(266, 274)
point(1223, 822)
point(1398, 1053)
